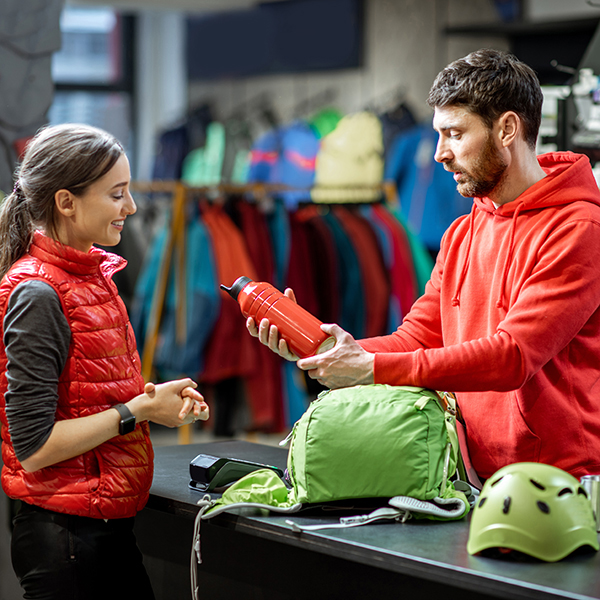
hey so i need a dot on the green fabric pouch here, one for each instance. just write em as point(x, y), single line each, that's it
point(261, 490)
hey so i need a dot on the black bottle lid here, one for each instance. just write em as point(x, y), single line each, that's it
point(238, 285)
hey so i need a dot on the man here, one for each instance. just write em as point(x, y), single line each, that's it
point(510, 319)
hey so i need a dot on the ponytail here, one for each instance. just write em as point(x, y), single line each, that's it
point(16, 228)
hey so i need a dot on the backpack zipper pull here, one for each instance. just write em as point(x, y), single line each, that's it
point(289, 436)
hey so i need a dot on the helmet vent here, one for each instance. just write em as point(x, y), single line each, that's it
point(543, 507)
point(538, 485)
point(506, 505)
point(565, 491)
point(497, 481)
point(482, 501)
point(581, 490)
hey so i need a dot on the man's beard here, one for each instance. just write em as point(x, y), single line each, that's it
point(485, 175)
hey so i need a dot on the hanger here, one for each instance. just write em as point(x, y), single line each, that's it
point(314, 103)
point(388, 101)
point(260, 106)
point(250, 105)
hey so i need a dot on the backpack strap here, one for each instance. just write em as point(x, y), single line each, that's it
point(447, 401)
point(195, 556)
point(458, 436)
point(400, 510)
point(387, 512)
point(445, 508)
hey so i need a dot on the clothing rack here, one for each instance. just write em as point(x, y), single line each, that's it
point(176, 243)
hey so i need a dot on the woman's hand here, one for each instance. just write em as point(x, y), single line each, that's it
point(194, 407)
point(171, 404)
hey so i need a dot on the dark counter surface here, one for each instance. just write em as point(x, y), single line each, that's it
point(421, 549)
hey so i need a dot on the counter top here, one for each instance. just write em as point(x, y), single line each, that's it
point(420, 549)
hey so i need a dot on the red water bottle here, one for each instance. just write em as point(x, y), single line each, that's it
point(301, 330)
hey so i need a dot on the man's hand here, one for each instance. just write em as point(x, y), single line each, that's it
point(345, 365)
point(269, 335)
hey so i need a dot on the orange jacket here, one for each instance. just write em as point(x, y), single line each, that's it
point(510, 320)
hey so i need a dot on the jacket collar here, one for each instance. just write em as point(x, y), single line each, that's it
point(72, 260)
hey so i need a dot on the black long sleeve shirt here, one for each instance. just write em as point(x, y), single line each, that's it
point(36, 338)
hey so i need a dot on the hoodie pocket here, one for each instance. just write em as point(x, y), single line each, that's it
point(497, 431)
point(522, 444)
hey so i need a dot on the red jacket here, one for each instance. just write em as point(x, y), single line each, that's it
point(510, 320)
point(102, 369)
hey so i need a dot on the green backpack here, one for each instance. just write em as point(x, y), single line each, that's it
point(373, 441)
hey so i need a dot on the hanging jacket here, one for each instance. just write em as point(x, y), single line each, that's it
point(300, 274)
point(263, 157)
point(375, 279)
point(175, 358)
point(421, 258)
point(351, 291)
point(278, 223)
point(403, 270)
point(203, 166)
point(102, 369)
point(386, 244)
point(510, 320)
point(349, 163)
point(230, 350)
point(263, 384)
point(429, 201)
point(295, 164)
point(323, 263)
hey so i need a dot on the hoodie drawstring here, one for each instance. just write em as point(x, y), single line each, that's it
point(463, 273)
point(513, 227)
point(509, 254)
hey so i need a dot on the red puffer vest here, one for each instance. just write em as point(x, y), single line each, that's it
point(102, 369)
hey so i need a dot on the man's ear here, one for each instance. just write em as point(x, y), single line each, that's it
point(64, 202)
point(509, 127)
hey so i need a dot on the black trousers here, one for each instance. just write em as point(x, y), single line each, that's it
point(65, 557)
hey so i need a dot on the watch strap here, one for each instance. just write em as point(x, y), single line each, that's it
point(127, 423)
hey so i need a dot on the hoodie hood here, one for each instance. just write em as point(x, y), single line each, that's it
point(569, 178)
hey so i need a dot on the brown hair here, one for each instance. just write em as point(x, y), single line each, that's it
point(68, 156)
point(489, 83)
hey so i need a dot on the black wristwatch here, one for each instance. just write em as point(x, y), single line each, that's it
point(127, 424)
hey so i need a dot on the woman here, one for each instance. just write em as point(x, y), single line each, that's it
point(73, 406)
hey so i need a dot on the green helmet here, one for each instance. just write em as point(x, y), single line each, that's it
point(533, 508)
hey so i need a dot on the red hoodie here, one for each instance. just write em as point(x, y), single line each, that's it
point(510, 320)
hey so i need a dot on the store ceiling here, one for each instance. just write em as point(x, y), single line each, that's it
point(177, 5)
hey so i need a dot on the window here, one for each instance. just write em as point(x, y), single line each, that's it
point(93, 71)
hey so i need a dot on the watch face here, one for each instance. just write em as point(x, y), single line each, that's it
point(128, 425)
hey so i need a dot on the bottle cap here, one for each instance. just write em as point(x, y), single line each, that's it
point(326, 345)
point(238, 285)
